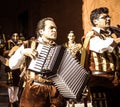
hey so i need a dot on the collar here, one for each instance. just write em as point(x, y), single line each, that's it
point(101, 31)
point(96, 29)
point(40, 39)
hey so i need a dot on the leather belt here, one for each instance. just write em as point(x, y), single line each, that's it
point(38, 78)
point(109, 75)
point(102, 73)
point(42, 83)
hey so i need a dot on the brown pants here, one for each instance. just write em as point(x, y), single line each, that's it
point(41, 95)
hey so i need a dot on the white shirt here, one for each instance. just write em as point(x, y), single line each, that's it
point(18, 59)
point(99, 45)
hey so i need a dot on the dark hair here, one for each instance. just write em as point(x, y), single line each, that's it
point(41, 24)
point(71, 31)
point(96, 13)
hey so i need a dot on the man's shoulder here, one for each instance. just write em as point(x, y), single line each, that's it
point(29, 43)
point(90, 33)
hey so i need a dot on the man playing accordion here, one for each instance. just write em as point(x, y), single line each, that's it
point(39, 91)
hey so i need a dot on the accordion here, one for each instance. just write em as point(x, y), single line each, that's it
point(67, 74)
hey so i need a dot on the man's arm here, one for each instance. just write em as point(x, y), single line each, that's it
point(99, 45)
point(17, 59)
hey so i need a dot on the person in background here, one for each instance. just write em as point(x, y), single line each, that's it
point(12, 75)
point(2, 46)
point(73, 46)
point(102, 60)
point(22, 37)
point(2, 43)
point(39, 91)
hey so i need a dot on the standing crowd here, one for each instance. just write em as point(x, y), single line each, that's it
point(98, 52)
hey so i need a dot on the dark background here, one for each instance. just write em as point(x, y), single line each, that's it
point(22, 16)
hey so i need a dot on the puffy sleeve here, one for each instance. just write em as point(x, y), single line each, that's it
point(17, 59)
point(99, 45)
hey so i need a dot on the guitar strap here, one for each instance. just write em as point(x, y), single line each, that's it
point(84, 53)
point(85, 45)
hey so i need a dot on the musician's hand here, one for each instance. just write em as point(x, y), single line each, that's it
point(32, 53)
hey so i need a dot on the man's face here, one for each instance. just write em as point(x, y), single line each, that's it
point(103, 21)
point(50, 31)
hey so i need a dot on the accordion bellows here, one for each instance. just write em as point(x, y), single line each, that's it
point(68, 75)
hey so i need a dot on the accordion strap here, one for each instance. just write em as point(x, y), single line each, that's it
point(27, 44)
point(30, 44)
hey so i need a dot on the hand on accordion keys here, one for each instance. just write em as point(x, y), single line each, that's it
point(32, 53)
